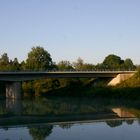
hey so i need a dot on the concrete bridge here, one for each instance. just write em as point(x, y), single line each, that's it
point(13, 79)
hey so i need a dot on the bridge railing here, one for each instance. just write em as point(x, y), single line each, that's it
point(73, 70)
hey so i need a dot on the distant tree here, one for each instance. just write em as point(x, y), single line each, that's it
point(128, 64)
point(64, 65)
point(88, 67)
point(4, 59)
point(112, 62)
point(23, 65)
point(4, 62)
point(39, 59)
point(99, 67)
point(14, 65)
point(9, 65)
point(78, 65)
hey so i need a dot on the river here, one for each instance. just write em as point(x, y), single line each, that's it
point(63, 118)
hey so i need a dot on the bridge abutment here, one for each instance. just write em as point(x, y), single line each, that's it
point(13, 90)
point(119, 78)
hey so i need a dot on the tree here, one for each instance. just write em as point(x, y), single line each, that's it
point(23, 66)
point(112, 62)
point(79, 64)
point(4, 62)
point(128, 64)
point(4, 59)
point(14, 65)
point(39, 59)
point(88, 67)
point(64, 65)
point(9, 65)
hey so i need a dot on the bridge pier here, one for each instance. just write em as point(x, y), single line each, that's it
point(13, 90)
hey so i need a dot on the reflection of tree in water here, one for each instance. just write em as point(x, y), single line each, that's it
point(114, 123)
point(139, 121)
point(129, 122)
point(5, 128)
point(40, 132)
point(66, 126)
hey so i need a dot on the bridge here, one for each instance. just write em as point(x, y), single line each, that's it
point(13, 79)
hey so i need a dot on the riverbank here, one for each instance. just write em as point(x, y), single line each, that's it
point(129, 89)
point(98, 92)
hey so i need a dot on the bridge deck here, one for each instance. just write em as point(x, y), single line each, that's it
point(23, 76)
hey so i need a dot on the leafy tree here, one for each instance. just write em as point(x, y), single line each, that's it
point(4, 59)
point(9, 65)
point(41, 87)
point(14, 65)
point(64, 65)
point(39, 59)
point(79, 64)
point(112, 62)
point(99, 67)
point(128, 64)
point(88, 67)
point(23, 65)
point(4, 62)
point(28, 89)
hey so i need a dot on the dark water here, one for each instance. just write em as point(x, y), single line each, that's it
point(69, 119)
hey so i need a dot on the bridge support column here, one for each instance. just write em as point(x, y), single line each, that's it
point(13, 90)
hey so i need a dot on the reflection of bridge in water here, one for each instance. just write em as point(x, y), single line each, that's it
point(123, 113)
point(13, 79)
point(21, 112)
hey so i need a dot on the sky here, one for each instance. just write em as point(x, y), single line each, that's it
point(68, 29)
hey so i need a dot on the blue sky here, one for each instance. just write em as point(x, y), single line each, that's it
point(68, 29)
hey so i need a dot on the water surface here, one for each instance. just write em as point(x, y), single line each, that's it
point(124, 130)
point(69, 118)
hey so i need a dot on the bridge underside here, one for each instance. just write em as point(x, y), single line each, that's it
point(24, 76)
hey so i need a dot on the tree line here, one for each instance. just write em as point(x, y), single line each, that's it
point(40, 59)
